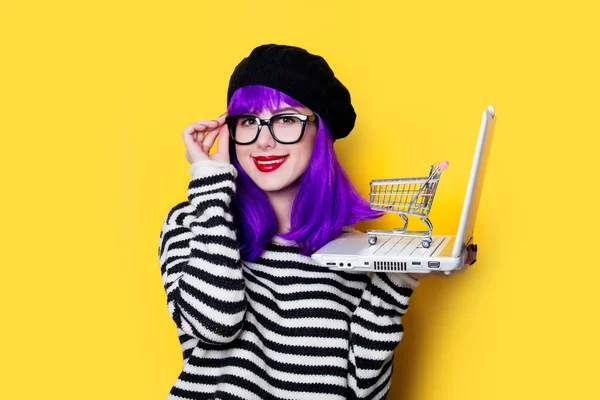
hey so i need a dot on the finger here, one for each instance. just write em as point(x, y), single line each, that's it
point(223, 146)
point(471, 254)
point(209, 140)
point(208, 125)
point(205, 125)
point(192, 132)
point(188, 139)
point(196, 130)
point(221, 118)
point(196, 127)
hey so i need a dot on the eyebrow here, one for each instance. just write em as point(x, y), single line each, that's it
point(279, 110)
point(285, 109)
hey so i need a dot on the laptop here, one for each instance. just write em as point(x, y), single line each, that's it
point(351, 251)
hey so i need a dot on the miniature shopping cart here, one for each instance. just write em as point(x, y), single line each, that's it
point(406, 196)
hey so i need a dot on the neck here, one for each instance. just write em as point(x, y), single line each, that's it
point(281, 201)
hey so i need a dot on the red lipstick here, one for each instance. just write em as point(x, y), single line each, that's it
point(269, 163)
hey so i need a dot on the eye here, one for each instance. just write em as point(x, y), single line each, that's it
point(247, 121)
point(287, 120)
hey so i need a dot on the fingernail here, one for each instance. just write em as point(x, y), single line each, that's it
point(473, 262)
point(474, 247)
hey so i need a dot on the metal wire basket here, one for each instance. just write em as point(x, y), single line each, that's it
point(406, 196)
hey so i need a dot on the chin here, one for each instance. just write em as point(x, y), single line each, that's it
point(271, 185)
point(274, 181)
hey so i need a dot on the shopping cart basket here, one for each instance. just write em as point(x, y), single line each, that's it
point(406, 196)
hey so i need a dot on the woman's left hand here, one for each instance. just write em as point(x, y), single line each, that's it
point(471, 254)
point(470, 260)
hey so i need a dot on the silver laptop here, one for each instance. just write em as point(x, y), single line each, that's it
point(352, 251)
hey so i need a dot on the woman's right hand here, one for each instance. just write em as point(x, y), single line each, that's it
point(200, 136)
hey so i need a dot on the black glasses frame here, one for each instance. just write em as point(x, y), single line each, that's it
point(269, 123)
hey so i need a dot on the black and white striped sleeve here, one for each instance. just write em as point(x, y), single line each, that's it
point(375, 331)
point(200, 260)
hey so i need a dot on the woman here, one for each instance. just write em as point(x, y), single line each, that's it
point(256, 317)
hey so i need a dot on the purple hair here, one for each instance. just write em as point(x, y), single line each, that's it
point(318, 216)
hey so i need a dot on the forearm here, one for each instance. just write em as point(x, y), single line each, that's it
point(376, 329)
point(200, 260)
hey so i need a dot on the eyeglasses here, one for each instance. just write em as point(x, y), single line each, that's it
point(285, 128)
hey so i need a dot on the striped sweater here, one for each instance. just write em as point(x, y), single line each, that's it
point(281, 327)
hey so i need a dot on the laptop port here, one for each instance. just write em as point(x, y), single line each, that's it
point(416, 263)
point(433, 264)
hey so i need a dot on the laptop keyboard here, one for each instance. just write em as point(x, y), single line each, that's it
point(394, 246)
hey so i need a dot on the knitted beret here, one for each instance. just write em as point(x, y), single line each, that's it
point(301, 75)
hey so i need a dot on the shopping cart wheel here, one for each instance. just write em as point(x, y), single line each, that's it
point(426, 243)
point(372, 240)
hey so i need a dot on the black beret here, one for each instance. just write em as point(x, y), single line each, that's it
point(301, 75)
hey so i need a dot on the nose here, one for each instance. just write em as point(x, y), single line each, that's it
point(265, 140)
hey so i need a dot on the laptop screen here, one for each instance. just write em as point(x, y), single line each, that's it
point(471, 203)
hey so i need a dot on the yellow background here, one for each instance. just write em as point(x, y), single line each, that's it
point(94, 96)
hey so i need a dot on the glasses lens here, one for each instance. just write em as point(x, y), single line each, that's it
point(244, 129)
point(287, 128)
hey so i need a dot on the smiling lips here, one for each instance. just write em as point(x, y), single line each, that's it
point(269, 163)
